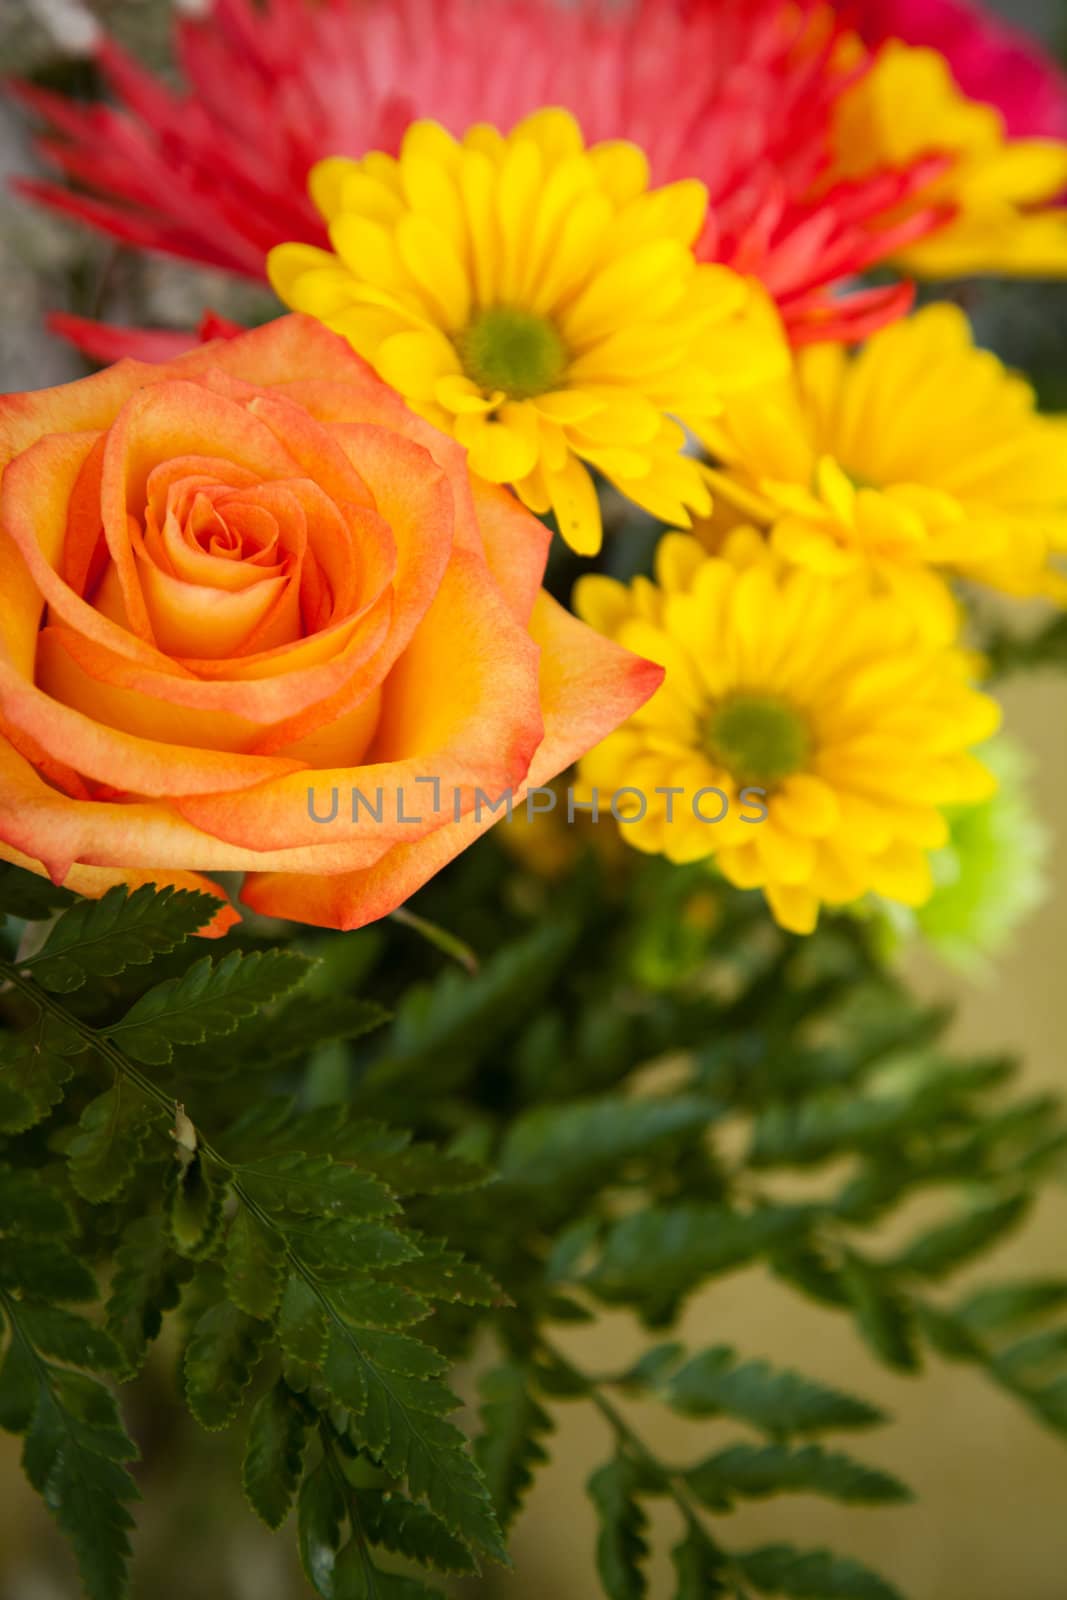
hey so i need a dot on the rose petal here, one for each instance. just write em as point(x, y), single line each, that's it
point(516, 546)
point(588, 687)
point(460, 706)
point(94, 882)
point(140, 765)
point(60, 831)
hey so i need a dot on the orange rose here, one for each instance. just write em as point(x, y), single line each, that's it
point(240, 586)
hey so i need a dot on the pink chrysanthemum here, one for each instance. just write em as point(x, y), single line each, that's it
point(990, 59)
point(739, 93)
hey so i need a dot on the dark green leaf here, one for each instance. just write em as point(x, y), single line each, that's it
point(621, 1546)
point(220, 1359)
point(147, 1282)
point(30, 1206)
point(254, 1264)
point(398, 1407)
point(775, 1400)
point(654, 1257)
point(570, 1248)
point(195, 1202)
point(948, 1334)
point(1049, 1403)
point(302, 1323)
point(18, 1391)
point(509, 1449)
point(882, 1314)
point(577, 1142)
point(651, 1370)
point(447, 1027)
point(1002, 1305)
point(356, 1577)
point(274, 1455)
point(564, 1308)
point(304, 1184)
point(35, 1066)
point(443, 1274)
point(1027, 1359)
point(941, 1250)
point(365, 1303)
point(112, 1133)
point(698, 1569)
point(410, 1169)
point(17, 1112)
point(811, 1575)
point(827, 1125)
point(403, 1354)
point(320, 1519)
point(73, 1457)
point(206, 1002)
point(45, 1271)
point(806, 1266)
point(100, 938)
point(354, 1247)
point(344, 1370)
point(406, 1529)
point(68, 1337)
point(754, 1471)
point(262, 1043)
point(24, 894)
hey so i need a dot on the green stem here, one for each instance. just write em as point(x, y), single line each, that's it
point(99, 1041)
point(667, 1476)
point(628, 1436)
point(329, 1451)
point(92, 1036)
point(448, 943)
point(43, 1368)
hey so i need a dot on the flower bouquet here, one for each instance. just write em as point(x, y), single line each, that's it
point(479, 733)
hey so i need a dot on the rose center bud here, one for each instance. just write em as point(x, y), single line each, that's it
point(219, 568)
point(238, 533)
point(759, 739)
point(516, 352)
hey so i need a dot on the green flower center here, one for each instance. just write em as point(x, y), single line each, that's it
point(759, 739)
point(857, 479)
point(515, 351)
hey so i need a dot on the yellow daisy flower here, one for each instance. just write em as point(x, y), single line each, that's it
point(539, 302)
point(1003, 191)
point(921, 452)
point(809, 700)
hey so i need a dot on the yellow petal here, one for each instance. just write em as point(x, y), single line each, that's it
point(326, 181)
point(652, 277)
point(577, 509)
point(902, 873)
point(287, 263)
point(476, 187)
point(621, 168)
point(602, 602)
point(496, 452)
point(429, 257)
point(806, 806)
point(414, 363)
point(554, 131)
point(676, 211)
point(460, 394)
point(795, 909)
